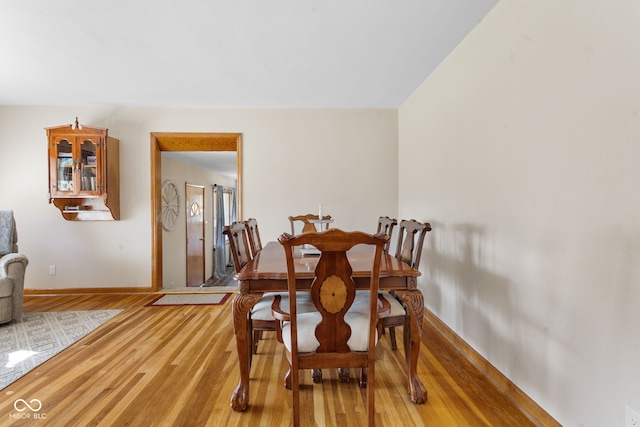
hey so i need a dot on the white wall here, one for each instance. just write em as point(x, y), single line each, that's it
point(522, 150)
point(292, 160)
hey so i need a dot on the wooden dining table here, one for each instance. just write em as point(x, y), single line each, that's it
point(267, 272)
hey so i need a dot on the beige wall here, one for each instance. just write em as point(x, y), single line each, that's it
point(292, 160)
point(522, 149)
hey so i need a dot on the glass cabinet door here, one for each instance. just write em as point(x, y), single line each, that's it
point(76, 169)
point(88, 160)
point(64, 166)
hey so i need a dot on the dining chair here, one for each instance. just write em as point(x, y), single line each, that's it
point(260, 315)
point(411, 236)
point(386, 225)
point(254, 236)
point(236, 232)
point(307, 226)
point(337, 334)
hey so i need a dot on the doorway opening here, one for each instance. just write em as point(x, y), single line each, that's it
point(184, 141)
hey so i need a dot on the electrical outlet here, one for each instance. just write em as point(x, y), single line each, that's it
point(632, 418)
point(52, 270)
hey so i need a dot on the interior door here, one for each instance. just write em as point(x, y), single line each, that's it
point(195, 234)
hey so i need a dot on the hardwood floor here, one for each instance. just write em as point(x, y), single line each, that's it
point(176, 366)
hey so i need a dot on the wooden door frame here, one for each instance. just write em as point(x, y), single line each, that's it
point(182, 141)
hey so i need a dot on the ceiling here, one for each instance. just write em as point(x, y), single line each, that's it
point(226, 53)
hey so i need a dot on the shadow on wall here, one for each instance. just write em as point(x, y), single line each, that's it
point(478, 304)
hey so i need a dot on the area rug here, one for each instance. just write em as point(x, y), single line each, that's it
point(25, 345)
point(191, 299)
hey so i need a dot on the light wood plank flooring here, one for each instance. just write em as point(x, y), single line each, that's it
point(175, 366)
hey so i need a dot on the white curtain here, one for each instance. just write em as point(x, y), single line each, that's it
point(220, 259)
point(234, 205)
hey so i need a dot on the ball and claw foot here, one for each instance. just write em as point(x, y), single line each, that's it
point(418, 391)
point(240, 399)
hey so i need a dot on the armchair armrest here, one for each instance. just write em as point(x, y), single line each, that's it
point(13, 266)
point(8, 264)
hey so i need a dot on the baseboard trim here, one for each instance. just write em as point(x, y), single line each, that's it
point(71, 291)
point(529, 408)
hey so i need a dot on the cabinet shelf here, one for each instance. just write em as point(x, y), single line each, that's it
point(84, 208)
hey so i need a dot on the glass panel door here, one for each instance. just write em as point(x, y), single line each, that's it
point(64, 165)
point(88, 166)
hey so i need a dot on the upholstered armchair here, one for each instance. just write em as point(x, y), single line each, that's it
point(12, 268)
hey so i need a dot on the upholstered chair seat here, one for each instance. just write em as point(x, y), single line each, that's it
point(396, 307)
point(262, 309)
point(308, 318)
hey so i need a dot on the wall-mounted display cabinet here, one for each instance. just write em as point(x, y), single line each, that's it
point(84, 172)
